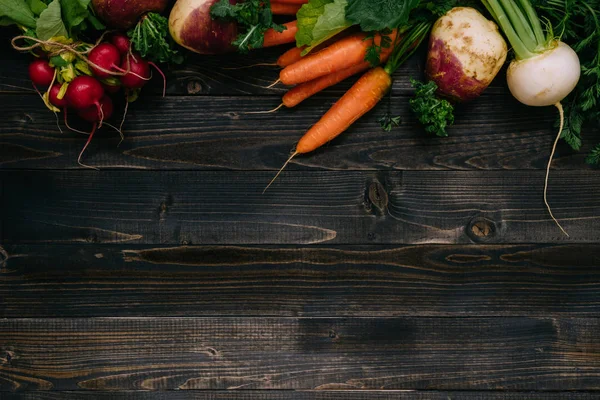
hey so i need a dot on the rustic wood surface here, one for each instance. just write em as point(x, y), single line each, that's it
point(385, 266)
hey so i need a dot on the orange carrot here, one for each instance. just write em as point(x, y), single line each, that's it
point(281, 8)
point(274, 38)
point(291, 56)
point(343, 54)
point(303, 91)
point(360, 99)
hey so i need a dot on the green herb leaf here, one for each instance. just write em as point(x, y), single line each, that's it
point(433, 113)
point(253, 18)
point(387, 122)
point(377, 15)
point(152, 40)
point(320, 20)
point(50, 23)
point(17, 11)
point(594, 156)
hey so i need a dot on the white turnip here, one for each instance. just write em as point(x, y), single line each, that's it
point(544, 71)
point(466, 52)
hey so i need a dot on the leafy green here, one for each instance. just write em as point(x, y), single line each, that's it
point(50, 23)
point(433, 113)
point(36, 6)
point(373, 55)
point(74, 12)
point(17, 11)
point(253, 18)
point(152, 40)
point(320, 20)
point(377, 15)
point(594, 156)
point(387, 122)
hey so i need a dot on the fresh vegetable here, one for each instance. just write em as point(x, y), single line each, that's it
point(278, 8)
point(97, 114)
point(41, 73)
point(343, 54)
point(320, 20)
point(55, 96)
point(84, 92)
point(433, 113)
point(138, 72)
point(274, 37)
point(253, 18)
point(121, 42)
point(361, 97)
point(578, 23)
point(192, 27)
point(544, 71)
point(150, 38)
point(466, 52)
point(125, 14)
point(107, 57)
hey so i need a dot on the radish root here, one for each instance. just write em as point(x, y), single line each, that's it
point(266, 112)
point(562, 123)
point(85, 147)
point(161, 74)
point(280, 171)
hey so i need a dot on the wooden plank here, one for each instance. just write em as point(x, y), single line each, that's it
point(298, 395)
point(345, 281)
point(215, 133)
point(290, 353)
point(191, 207)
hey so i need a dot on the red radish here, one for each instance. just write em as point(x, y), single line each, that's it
point(121, 42)
point(83, 92)
point(53, 97)
point(112, 89)
point(139, 72)
point(106, 56)
point(95, 114)
point(41, 73)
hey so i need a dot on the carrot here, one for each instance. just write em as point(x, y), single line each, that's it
point(342, 54)
point(274, 38)
point(303, 91)
point(280, 8)
point(291, 56)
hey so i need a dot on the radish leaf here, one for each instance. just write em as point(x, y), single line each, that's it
point(17, 11)
point(377, 15)
point(50, 23)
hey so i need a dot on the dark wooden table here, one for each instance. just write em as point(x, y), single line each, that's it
point(384, 266)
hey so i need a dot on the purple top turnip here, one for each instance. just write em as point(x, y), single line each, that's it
point(466, 52)
point(192, 26)
point(124, 14)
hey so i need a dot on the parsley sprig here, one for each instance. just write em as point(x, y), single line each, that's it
point(151, 38)
point(433, 113)
point(253, 18)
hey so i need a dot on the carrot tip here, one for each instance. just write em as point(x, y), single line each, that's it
point(280, 171)
point(274, 84)
point(265, 112)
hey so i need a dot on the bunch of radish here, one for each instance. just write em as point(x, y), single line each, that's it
point(85, 87)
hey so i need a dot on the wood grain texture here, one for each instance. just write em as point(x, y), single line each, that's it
point(298, 395)
point(292, 353)
point(345, 281)
point(190, 207)
point(211, 133)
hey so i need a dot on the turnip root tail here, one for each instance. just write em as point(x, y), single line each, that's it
point(562, 124)
point(280, 171)
point(265, 112)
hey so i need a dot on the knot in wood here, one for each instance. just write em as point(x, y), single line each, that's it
point(481, 229)
point(194, 87)
point(378, 196)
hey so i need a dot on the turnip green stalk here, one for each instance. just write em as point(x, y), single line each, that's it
point(544, 71)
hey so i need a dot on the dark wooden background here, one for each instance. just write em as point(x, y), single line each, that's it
point(384, 266)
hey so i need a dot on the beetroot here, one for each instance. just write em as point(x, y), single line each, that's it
point(53, 97)
point(124, 14)
point(84, 91)
point(41, 73)
point(139, 72)
point(93, 113)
